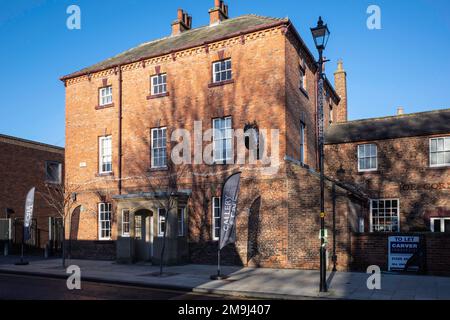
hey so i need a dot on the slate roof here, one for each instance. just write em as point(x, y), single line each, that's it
point(188, 39)
point(408, 125)
point(10, 139)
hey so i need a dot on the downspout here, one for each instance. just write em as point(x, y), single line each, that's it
point(120, 132)
point(334, 257)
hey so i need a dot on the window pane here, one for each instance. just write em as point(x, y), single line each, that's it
point(440, 145)
point(367, 151)
point(433, 145)
point(373, 163)
point(440, 158)
point(447, 144)
point(447, 225)
point(360, 151)
point(433, 159)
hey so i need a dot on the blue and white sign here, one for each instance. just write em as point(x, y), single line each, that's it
point(400, 250)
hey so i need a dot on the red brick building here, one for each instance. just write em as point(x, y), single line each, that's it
point(122, 125)
point(402, 163)
point(25, 164)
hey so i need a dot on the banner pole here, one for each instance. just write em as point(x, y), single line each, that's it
point(218, 263)
point(23, 239)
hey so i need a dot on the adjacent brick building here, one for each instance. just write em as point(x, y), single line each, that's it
point(25, 164)
point(122, 121)
point(403, 165)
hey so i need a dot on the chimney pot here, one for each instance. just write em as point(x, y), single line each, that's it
point(183, 22)
point(218, 13)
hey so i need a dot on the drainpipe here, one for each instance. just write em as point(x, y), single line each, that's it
point(334, 257)
point(120, 131)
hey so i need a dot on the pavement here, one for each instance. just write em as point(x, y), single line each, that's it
point(242, 282)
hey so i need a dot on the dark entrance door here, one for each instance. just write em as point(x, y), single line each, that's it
point(143, 224)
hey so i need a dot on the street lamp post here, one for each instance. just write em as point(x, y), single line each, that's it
point(320, 34)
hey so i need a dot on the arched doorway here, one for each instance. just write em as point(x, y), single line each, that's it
point(143, 235)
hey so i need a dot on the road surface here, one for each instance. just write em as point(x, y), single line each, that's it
point(19, 287)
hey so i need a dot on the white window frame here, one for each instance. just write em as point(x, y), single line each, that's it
point(220, 72)
point(364, 157)
point(302, 79)
point(302, 141)
point(180, 222)
point(104, 208)
point(441, 221)
point(126, 234)
point(102, 156)
point(160, 148)
point(105, 96)
point(161, 218)
point(226, 135)
point(138, 227)
point(214, 226)
point(160, 87)
point(444, 151)
point(59, 180)
point(371, 214)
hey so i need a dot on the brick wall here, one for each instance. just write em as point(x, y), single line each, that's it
point(101, 250)
point(403, 173)
point(22, 166)
point(372, 249)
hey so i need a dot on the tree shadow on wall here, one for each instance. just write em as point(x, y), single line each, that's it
point(253, 231)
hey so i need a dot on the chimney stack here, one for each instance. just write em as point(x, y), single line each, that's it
point(183, 23)
point(219, 13)
point(400, 111)
point(340, 84)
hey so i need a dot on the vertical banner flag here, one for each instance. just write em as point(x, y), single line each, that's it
point(230, 194)
point(29, 204)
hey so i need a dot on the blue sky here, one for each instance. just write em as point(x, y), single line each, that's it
point(403, 64)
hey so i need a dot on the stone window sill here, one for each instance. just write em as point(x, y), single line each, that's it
point(156, 96)
point(106, 174)
point(368, 172)
point(219, 84)
point(446, 167)
point(106, 106)
point(158, 169)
